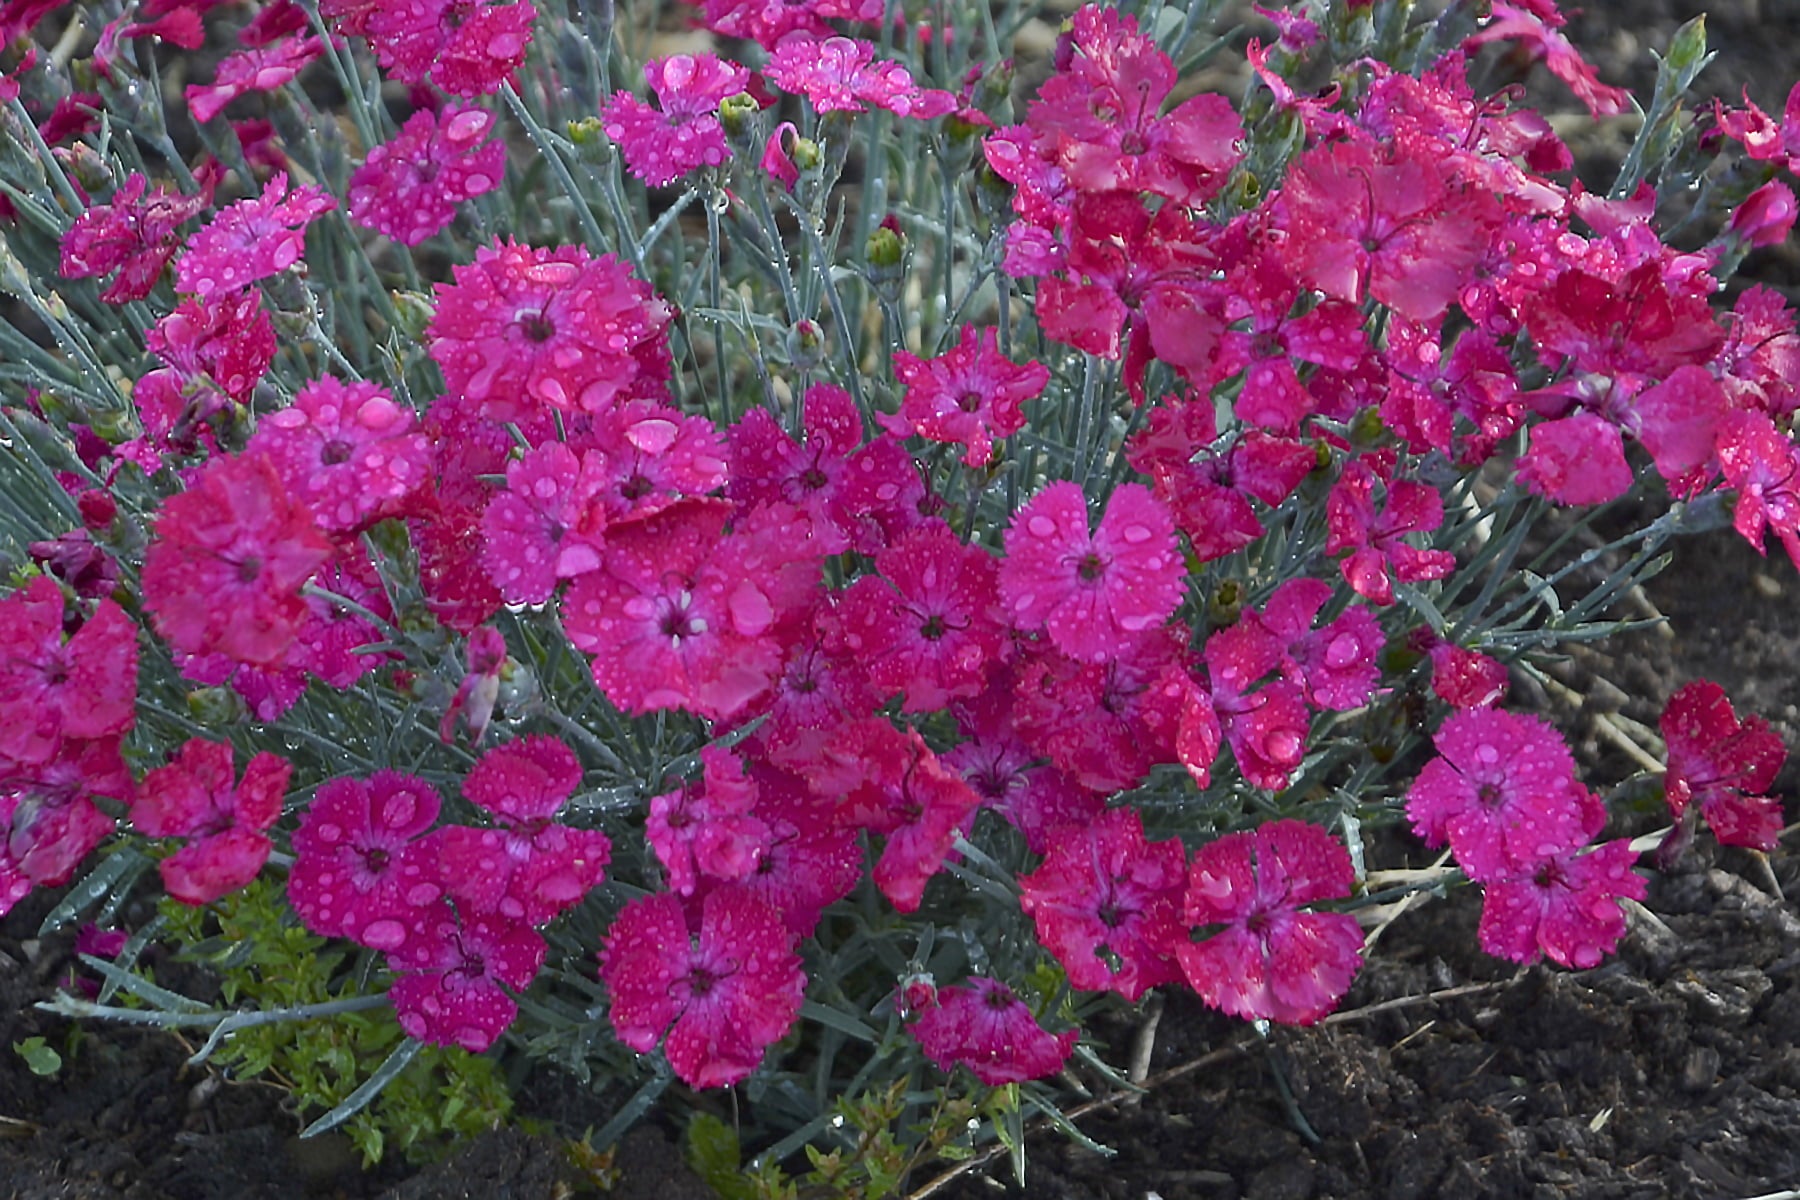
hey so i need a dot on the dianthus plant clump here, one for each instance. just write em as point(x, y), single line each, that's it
point(806, 562)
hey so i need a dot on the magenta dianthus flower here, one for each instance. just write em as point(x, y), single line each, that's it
point(683, 134)
point(225, 568)
point(1094, 593)
point(195, 797)
point(524, 329)
point(1108, 904)
point(1565, 906)
point(409, 187)
point(133, 234)
point(840, 74)
point(1722, 763)
point(722, 994)
point(466, 47)
point(450, 978)
point(545, 527)
point(1271, 961)
point(50, 689)
point(362, 869)
point(708, 828)
point(970, 395)
point(251, 240)
point(984, 1026)
point(346, 450)
point(1502, 792)
point(258, 69)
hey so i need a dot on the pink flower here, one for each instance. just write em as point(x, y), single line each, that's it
point(1466, 678)
point(133, 235)
point(1267, 726)
point(682, 616)
point(50, 689)
point(194, 797)
point(225, 568)
point(528, 867)
point(1094, 593)
point(1576, 460)
point(1766, 216)
point(410, 186)
point(813, 474)
point(1565, 906)
point(1108, 904)
point(970, 395)
point(708, 829)
point(1528, 23)
point(547, 526)
point(685, 135)
point(1502, 792)
point(928, 624)
point(1272, 961)
point(1374, 538)
point(982, 1025)
point(360, 869)
point(768, 22)
point(722, 994)
point(479, 689)
point(839, 74)
point(48, 819)
point(259, 69)
point(1722, 764)
point(920, 803)
point(1337, 664)
point(345, 450)
point(251, 240)
point(466, 47)
point(1035, 797)
point(1385, 221)
point(451, 976)
point(523, 330)
point(1764, 466)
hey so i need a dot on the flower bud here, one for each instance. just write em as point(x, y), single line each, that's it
point(806, 345)
point(738, 115)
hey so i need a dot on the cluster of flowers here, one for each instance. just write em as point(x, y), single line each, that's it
point(1053, 664)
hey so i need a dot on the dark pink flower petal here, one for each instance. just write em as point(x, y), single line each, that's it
point(982, 1025)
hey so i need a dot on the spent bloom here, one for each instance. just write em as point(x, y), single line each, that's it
point(134, 234)
point(684, 133)
point(410, 186)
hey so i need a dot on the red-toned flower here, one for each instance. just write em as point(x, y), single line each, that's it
point(684, 133)
point(1267, 726)
point(1533, 26)
point(251, 240)
point(1271, 961)
point(48, 819)
point(1502, 792)
point(1013, 779)
point(1578, 459)
point(840, 74)
point(681, 616)
point(722, 994)
point(522, 330)
point(546, 526)
point(1565, 906)
point(258, 69)
point(927, 625)
point(1722, 764)
point(361, 870)
point(1093, 593)
point(133, 234)
point(466, 47)
point(345, 450)
point(450, 978)
point(1108, 904)
point(527, 867)
point(970, 395)
point(768, 22)
point(984, 1026)
point(50, 689)
point(195, 797)
point(410, 186)
point(708, 828)
point(229, 557)
point(1764, 467)
point(1376, 539)
point(812, 474)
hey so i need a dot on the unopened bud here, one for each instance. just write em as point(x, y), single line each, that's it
point(806, 345)
point(588, 131)
point(738, 114)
